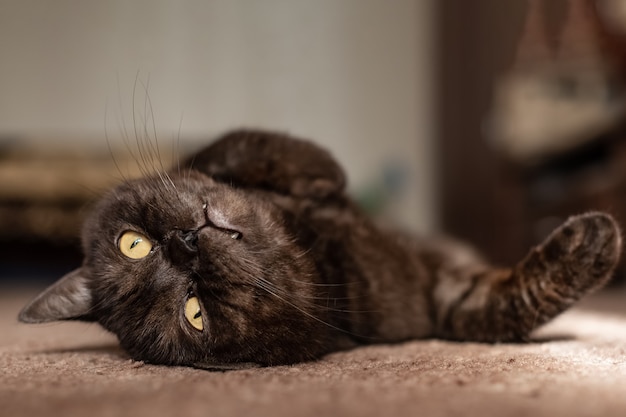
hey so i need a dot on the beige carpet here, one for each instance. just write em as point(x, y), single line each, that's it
point(578, 368)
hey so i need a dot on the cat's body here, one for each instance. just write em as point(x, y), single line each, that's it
point(251, 252)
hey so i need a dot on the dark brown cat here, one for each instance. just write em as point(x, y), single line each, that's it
point(251, 252)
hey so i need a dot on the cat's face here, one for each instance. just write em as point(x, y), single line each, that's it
point(191, 271)
point(216, 263)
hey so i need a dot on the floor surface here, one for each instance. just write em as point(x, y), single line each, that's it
point(577, 367)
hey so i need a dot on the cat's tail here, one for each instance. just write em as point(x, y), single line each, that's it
point(506, 305)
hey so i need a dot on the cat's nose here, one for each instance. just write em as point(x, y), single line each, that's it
point(183, 245)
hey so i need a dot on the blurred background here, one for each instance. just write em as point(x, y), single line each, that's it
point(490, 123)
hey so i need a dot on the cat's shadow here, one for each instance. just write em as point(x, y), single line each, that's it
point(110, 349)
point(552, 338)
point(114, 350)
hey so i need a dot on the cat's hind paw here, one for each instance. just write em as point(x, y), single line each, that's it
point(582, 253)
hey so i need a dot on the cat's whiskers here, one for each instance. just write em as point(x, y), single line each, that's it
point(124, 178)
point(256, 279)
point(267, 251)
point(146, 151)
point(271, 289)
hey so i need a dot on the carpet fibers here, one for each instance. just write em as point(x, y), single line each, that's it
point(576, 367)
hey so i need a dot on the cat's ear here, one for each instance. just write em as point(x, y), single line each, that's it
point(271, 161)
point(67, 299)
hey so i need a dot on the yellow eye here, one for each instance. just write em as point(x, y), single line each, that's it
point(193, 314)
point(134, 245)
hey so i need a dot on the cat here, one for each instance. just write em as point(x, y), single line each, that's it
point(251, 253)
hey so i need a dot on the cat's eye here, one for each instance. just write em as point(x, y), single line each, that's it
point(134, 245)
point(193, 314)
point(235, 235)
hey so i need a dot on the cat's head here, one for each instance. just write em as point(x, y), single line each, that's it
point(187, 270)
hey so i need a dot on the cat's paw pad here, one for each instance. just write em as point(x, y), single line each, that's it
point(586, 245)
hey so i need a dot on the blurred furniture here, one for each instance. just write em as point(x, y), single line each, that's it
point(45, 192)
point(532, 120)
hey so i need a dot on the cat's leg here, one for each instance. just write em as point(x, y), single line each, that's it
point(271, 161)
point(506, 305)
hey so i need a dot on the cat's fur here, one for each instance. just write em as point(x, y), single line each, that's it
point(286, 267)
